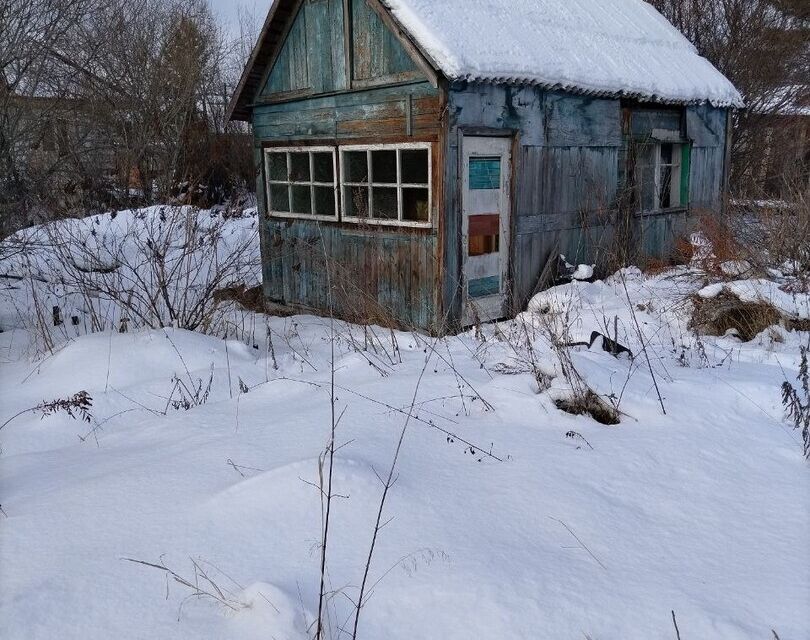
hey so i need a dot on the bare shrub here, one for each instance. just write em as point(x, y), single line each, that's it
point(77, 406)
point(775, 235)
point(761, 46)
point(797, 401)
point(162, 269)
point(726, 312)
point(554, 326)
point(587, 402)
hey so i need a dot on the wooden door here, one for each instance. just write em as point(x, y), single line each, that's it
point(486, 207)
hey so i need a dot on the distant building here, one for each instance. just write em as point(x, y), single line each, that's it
point(784, 163)
point(441, 154)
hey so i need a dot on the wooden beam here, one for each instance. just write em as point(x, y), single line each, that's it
point(348, 43)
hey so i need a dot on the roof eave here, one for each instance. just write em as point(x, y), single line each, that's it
point(238, 109)
point(597, 93)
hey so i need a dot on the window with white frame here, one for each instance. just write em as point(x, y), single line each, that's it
point(302, 182)
point(660, 176)
point(386, 184)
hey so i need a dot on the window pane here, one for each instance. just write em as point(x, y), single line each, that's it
point(484, 234)
point(666, 187)
point(483, 287)
point(414, 166)
point(384, 166)
point(356, 201)
point(355, 166)
point(301, 199)
point(666, 154)
point(384, 202)
point(325, 201)
point(415, 205)
point(299, 168)
point(323, 167)
point(279, 198)
point(647, 195)
point(485, 173)
point(645, 155)
point(482, 245)
point(277, 166)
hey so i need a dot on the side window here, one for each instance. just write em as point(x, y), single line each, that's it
point(661, 176)
point(302, 182)
point(386, 184)
point(382, 184)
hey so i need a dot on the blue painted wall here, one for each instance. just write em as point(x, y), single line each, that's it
point(569, 158)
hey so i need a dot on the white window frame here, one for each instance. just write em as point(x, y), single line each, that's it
point(399, 222)
point(658, 166)
point(312, 183)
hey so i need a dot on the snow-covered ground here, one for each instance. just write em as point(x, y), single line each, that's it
point(501, 525)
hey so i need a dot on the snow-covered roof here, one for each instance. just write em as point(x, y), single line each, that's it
point(606, 47)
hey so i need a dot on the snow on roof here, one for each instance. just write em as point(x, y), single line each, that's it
point(616, 47)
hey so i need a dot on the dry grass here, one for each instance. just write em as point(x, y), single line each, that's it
point(590, 404)
point(717, 316)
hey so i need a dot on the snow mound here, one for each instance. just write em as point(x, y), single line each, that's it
point(97, 362)
point(793, 305)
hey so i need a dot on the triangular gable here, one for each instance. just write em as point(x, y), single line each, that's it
point(302, 51)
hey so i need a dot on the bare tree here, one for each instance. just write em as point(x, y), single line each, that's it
point(763, 47)
point(120, 102)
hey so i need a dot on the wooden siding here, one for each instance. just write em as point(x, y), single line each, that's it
point(376, 52)
point(706, 128)
point(377, 272)
point(291, 71)
point(569, 155)
point(317, 94)
point(312, 59)
point(372, 113)
point(565, 160)
point(378, 275)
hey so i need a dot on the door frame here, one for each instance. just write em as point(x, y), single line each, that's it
point(501, 143)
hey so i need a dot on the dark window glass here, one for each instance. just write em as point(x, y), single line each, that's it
point(277, 166)
point(384, 166)
point(666, 154)
point(299, 167)
point(414, 166)
point(385, 203)
point(482, 245)
point(279, 198)
point(301, 199)
point(645, 155)
point(324, 201)
point(323, 168)
point(415, 205)
point(356, 166)
point(356, 201)
point(666, 187)
point(647, 188)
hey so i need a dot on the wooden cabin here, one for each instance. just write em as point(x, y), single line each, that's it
point(421, 162)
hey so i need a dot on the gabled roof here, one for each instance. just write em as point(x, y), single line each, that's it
point(272, 31)
point(608, 47)
point(621, 48)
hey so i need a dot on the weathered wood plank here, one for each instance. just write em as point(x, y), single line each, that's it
point(376, 52)
point(580, 121)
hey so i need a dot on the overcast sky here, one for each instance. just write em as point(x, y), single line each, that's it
point(228, 11)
